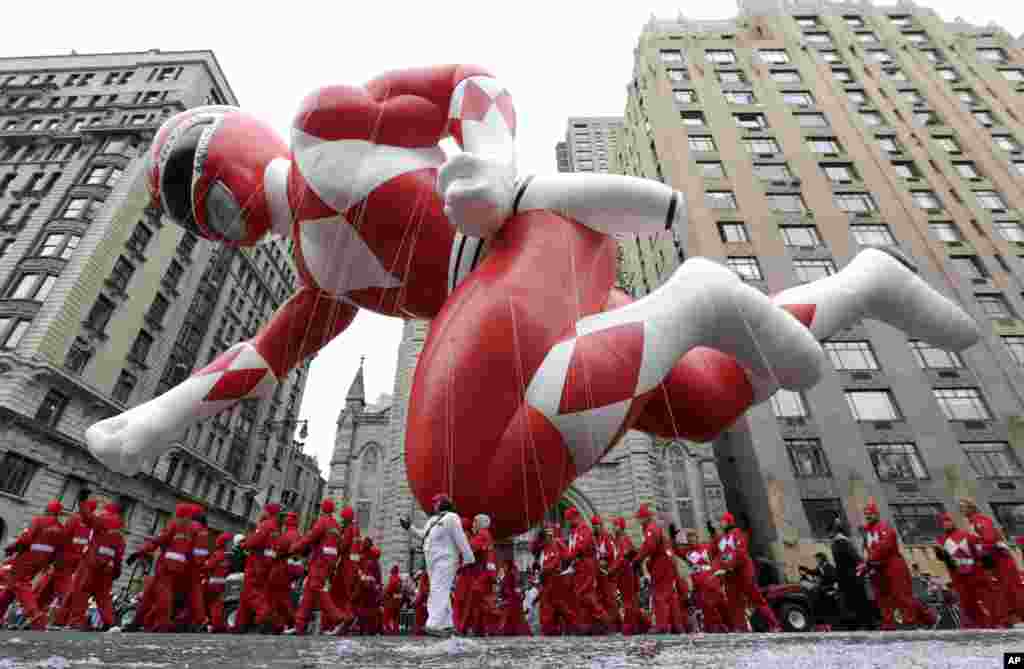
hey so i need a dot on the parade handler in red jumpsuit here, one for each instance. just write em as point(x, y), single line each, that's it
point(708, 587)
point(657, 551)
point(36, 549)
point(739, 577)
point(216, 572)
point(100, 567)
point(254, 604)
point(1007, 601)
point(173, 568)
point(326, 549)
point(57, 583)
point(960, 550)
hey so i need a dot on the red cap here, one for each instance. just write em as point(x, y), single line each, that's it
point(347, 513)
point(327, 506)
point(644, 512)
point(223, 540)
point(112, 521)
point(273, 508)
point(89, 506)
point(375, 552)
point(728, 520)
point(113, 507)
point(571, 512)
point(54, 507)
point(596, 520)
point(872, 506)
point(183, 511)
point(291, 520)
point(619, 523)
point(198, 510)
point(945, 517)
point(394, 569)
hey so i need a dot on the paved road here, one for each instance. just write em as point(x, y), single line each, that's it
point(898, 650)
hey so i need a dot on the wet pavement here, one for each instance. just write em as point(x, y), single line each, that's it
point(895, 650)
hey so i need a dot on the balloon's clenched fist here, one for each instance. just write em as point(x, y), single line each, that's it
point(477, 193)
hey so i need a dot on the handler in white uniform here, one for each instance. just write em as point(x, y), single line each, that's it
point(443, 542)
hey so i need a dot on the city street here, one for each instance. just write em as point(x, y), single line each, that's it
point(898, 650)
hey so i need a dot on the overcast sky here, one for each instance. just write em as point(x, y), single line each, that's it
point(558, 58)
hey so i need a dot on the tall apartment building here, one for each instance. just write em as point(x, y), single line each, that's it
point(103, 305)
point(801, 132)
point(589, 141)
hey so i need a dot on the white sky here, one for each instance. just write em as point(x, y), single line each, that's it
point(559, 58)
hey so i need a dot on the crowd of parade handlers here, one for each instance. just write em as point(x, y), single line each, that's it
point(59, 574)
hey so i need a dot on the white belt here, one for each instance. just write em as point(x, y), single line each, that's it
point(701, 568)
point(177, 557)
point(81, 541)
point(330, 550)
point(295, 563)
point(200, 551)
point(354, 556)
point(106, 550)
point(217, 580)
point(42, 548)
point(269, 554)
point(964, 562)
point(491, 567)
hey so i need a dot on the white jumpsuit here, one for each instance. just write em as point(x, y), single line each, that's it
point(443, 542)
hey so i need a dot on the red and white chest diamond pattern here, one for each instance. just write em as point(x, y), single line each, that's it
point(698, 558)
point(239, 373)
point(481, 112)
point(872, 538)
point(958, 549)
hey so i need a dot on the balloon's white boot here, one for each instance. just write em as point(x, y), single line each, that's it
point(876, 285)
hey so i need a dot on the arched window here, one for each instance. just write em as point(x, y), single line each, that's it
point(682, 500)
point(368, 487)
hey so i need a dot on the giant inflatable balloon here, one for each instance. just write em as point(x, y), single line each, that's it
point(535, 363)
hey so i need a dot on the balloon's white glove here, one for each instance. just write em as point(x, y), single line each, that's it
point(477, 192)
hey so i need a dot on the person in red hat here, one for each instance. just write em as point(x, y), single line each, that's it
point(511, 620)
point(173, 568)
point(254, 603)
point(710, 594)
point(624, 575)
point(36, 549)
point(557, 612)
point(480, 605)
point(392, 602)
point(607, 588)
point(960, 551)
point(57, 583)
point(583, 557)
point(216, 571)
point(740, 577)
point(889, 574)
point(323, 544)
point(367, 597)
point(101, 566)
point(1007, 603)
point(197, 614)
point(345, 579)
point(656, 549)
point(279, 582)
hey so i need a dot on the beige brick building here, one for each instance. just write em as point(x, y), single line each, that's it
point(799, 133)
point(103, 305)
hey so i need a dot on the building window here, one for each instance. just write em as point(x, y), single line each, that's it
point(52, 408)
point(140, 239)
point(823, 146)
point(683, 501)
point(1011, 231)
point(896, 74)
point(926, 118)
point(807, 458)
point(746, 267)
point(968, 266)
point(786, 77)
point(805, 236)
point(774, 172)
point(1006, 143)
point(124, 387)
point(985, 118)
point(900, 21)
point(889, 145)
point(733, 233)
point(788, 404)
point(1013, 75)
point(991, 200)
point(677, 75)
point(867, 38)
point(842, 75)
point(100, 314)
point(872, 405)
point(368, 488)
point(948, 73)
point(917, 523)
point(991, 460)
point(711, 170)
point(926, 200)
point(751, 121)
point(34, 287)
point(763, 146)
point(685, 96)
point(702, 143)
point(871, 118)
point(720, 199)
point(16, 473)
point(800, 99)
point(720, 56)
point(1011, 517)
point(831, 57)
point(857, 97)
point(994, 305)
point(880, 56)
point(792, 203)
point(851, 355)
point(840, 173)
point(818, 39)
point(872, 235)
point(855, 203)
point(732, 77)
point(807, 21)
point(78, 356)
point(141, 347)
point(931, 357)
point(812, 120)
point(821, 515)
point(79, 208)
point(692, 118)
point(12, 330)
point(158, 309)
point(946, 232)
point(671, 56)
point(967, 170)
point(812, 270)
point(774, 56)
point(961, 404)
point(172, 278)
point(906, 170)
point(121, 275)
point(740, 98)
point(897, 462)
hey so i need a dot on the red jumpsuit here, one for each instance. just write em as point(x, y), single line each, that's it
point(480, 605)
point(216, 570)
point(100, 567)
point(37, 548)
point(682, 622)
point(891, 580)
point(200, 554)
point(392, 603)
point(58, 581)
point(279, 583)
point(463, 584)
point(557, 615)
point(420, 603)
point(707, 587)
point(1008, 599)
point(174, 572)
point(971, 583)
point(367, 596)
point(583, 554)
point(326, 551)
point(346, 577)
point(624, 573)
point(607, 588)
point(512, 619)
point(661, 566)
point(254, 603)
point(740, 581)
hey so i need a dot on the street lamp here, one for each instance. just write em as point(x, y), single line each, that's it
point(285, 423)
